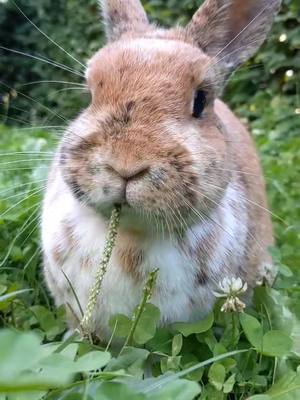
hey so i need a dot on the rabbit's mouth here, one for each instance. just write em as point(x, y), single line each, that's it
point(147, 223)
point(153, 200)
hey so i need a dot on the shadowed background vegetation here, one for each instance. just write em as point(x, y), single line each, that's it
point(40, 92)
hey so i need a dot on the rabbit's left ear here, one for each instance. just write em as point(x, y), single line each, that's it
point(121, 16)
point(231, 31)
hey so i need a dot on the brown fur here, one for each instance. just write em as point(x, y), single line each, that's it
point(260, 235)
point(131, 259)
point(122, 17)
point(222, 28)
point(139, 137)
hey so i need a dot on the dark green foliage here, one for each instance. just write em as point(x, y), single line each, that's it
point(75, 25)
point(65, 23)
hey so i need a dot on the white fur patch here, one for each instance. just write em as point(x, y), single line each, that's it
point(177, 294)
point(234, 226)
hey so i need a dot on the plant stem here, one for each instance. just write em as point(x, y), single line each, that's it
point(234, 329)
point(96, 288)
point(147, 293)
point(275, 370)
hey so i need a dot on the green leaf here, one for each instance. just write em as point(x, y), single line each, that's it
point(218, 349)
point(3, 289)
point(72, 396)
point(259, 381)
point(47, 321)
point(195, 375)
point(146, 327)
point(121, 325)
point(229, 384)
point(287, 388)
point(178, 390)
point(92, 361)
point(276, 344)
point(116, 390)
point(57, 362)
point(253, 330)
point(216, 376)
point(18, 351)
point(132, 360)
point(26, 365)
point(210, 393)
point(285, 271)
point(26, 396)
point(188, 329)
point(162, 341)
point(170, 364)
point(176, 345)
point(277, 305)
point(68, 343)
point(273, 343)
point(260, 397)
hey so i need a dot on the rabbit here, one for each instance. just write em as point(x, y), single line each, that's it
point(157, 140)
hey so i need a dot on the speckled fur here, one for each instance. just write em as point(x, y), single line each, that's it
point(196, 203)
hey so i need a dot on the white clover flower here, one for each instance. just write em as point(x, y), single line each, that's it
point(233, 304)
point(230, 289)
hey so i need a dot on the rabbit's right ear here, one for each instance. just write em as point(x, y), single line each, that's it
point(231, 31)
point(121, 16)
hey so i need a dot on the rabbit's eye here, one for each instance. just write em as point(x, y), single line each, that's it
point(199, 103)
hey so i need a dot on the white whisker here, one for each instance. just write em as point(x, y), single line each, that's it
point(54, 64)
point(21, 186)
point(22, 121)
point(17, 194)
point(20, 202)
point(25, 153)
point(48, 37)
point(35, 101)
point(20, 231)
point(31, 258)
point(84, 90)
point(55, 82)
point(255, 204)
point(26, 161)
point(241, 32)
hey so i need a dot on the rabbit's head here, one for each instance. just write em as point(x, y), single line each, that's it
point(150, 138)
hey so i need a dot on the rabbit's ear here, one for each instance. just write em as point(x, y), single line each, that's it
point(231, 31)
point(121, 16)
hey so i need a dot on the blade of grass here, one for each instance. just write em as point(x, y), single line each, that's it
point(74, 292)
point(13, 294)
point(167, 378)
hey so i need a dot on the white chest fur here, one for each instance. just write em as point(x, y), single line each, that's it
point(177, 293)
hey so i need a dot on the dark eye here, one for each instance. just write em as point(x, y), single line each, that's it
point(199, 103)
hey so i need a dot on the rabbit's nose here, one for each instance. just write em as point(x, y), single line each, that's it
point(130, 174)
